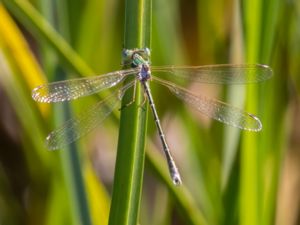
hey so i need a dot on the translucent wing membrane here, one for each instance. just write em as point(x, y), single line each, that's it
point(85, 122)
point(74, 88)
point(215, 109)
point(218, 74)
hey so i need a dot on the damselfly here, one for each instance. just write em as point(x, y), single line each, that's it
point(139, 58)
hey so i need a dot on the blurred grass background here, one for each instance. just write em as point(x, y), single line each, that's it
point(230, 177)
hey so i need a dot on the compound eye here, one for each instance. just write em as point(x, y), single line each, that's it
point(147, 51)
point(126, 53)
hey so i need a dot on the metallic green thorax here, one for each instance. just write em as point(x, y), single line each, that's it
point(138, 60)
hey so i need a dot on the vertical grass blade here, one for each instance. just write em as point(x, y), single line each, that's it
point(256, 198)
point(130, 157)
point(250, 207)
point(70, 158)
point(274, 135)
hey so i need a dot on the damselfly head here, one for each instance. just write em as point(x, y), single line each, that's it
point(128, 54)
point(147, 52)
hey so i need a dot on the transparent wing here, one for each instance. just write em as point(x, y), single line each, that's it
point(74, 88)
point(218, 74)
point(85, 122)
point(215, 109)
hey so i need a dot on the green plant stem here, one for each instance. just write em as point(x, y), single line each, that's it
point(131, 147)
point(250, 207)
point(256, 198)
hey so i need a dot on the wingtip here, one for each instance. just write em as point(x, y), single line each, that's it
point(258, 125)
point(37, 95)
point(50, 144)
point(268, 69)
